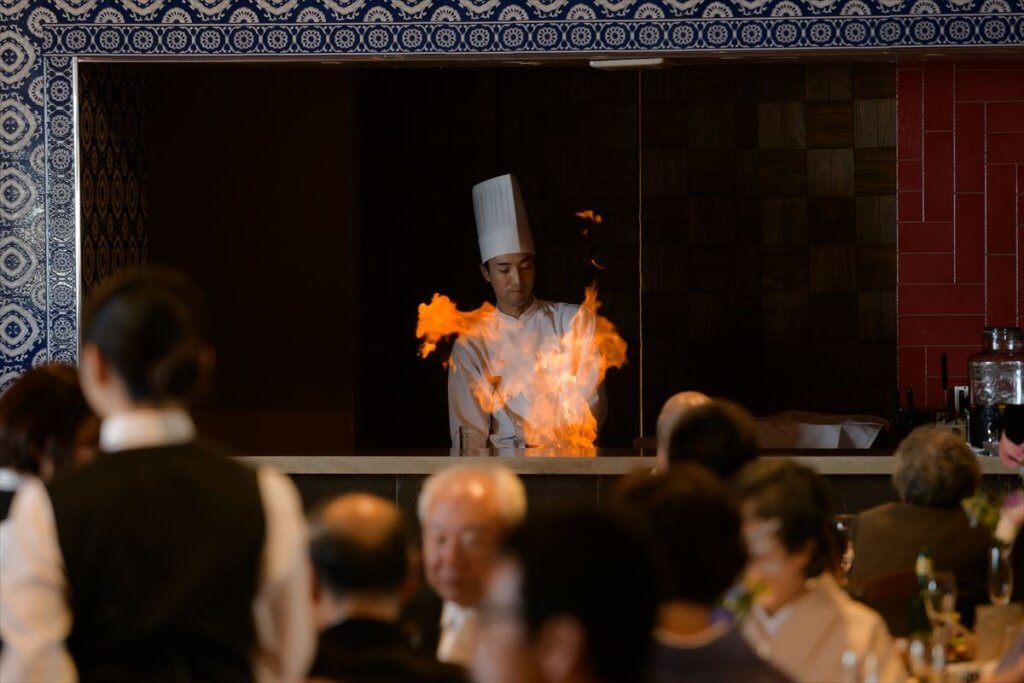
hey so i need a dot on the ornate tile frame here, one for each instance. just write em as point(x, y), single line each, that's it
point(42, 40)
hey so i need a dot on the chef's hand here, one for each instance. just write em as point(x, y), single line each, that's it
point(1011, 454)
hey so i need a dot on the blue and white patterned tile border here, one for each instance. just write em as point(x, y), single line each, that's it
point(41, 40)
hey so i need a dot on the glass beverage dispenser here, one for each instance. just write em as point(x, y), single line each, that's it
point(997, 380)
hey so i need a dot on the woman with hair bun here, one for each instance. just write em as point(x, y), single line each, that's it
point(163, 559)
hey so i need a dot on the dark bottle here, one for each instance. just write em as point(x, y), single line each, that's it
point(918, 624)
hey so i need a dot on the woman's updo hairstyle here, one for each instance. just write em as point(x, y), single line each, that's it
point(149, 325)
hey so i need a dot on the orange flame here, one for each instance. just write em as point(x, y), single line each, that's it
point(554, 386)
point(440, 319)
point(590, 215)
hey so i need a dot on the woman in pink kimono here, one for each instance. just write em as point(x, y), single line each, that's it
point(802, 621)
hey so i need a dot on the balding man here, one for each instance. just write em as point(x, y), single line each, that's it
point(364, 576)
point(674, 410)
point(465, 511)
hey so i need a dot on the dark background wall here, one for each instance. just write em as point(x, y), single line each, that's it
point(318, 206)
point(250, 191)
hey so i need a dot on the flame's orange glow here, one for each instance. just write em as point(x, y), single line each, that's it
point(554, 386)
point(440, 319)
point(590, 215)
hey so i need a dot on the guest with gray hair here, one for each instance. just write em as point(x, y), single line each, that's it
point(934, 470)
point(464, 512)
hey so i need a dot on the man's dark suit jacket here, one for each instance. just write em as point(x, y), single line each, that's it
point(887, 539)
point(366, 651)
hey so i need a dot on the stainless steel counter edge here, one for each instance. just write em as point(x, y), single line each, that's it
point(369, 465)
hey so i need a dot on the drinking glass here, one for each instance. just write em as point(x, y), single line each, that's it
point(1000, 575)
point(940, 599)
point(844, 526)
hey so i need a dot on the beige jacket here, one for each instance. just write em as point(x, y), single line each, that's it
point(806, 639)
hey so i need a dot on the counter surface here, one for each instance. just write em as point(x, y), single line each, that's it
point(610, 462)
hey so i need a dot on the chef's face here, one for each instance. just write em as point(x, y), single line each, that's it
point(511, 276)
point(461, 530)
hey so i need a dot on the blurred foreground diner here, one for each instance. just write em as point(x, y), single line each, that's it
point(365, 573)
point(693, 525)
point(464, 511)
point(163, 560)
point(801, 620)
point(570, 600)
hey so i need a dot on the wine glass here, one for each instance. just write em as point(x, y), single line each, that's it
point(844, 525)
point(940, 595)
point(1000, 575)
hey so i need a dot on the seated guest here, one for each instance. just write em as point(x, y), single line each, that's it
point(672, 412)
point(934, 470)
point(162, 559)
point(802, 621)
point(694, 527)
point(364, 574)
point(570, 600)
point(464, 511)
point(719, 435)
point(46, 428)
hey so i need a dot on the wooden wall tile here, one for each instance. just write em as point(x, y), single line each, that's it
point(830, 124)
point(711, 171)
point(875, 171)
point(833, 269)
point(829, 82)
point(780, 125)
point(876, 220)
point(785, 317)
point(782, 174)
point(874, 123)
point(712, 124)
point(780, 83)
point(831, 220)
point(712, 220)
point(876, 315)
point(830, 172)
point(876, 268)
point(874, 81)
point(834, 317)
point(783, 222)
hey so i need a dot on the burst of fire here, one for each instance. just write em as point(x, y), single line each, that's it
point(553, 387)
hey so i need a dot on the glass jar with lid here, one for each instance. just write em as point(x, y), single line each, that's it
point(997, 380)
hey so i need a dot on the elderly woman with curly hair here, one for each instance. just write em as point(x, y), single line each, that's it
point(934, 471)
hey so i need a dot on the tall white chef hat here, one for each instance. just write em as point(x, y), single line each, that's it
point(501, 223)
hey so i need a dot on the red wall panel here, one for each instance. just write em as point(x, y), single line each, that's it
point(960, 151)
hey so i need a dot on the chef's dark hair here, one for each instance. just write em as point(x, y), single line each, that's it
point(596, 569)
point(798, 497)
point(149, 325)
point(346, 565)
point(692, 522)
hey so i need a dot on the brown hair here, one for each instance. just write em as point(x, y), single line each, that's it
point(798, 497)
point(40, 416)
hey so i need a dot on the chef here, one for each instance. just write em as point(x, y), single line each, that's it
point(492, 371)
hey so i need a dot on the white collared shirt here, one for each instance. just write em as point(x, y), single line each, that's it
point(35, 618)
point(460, 627)
point(501, 347)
